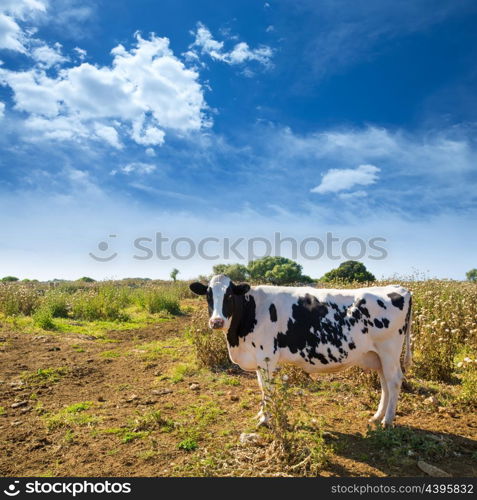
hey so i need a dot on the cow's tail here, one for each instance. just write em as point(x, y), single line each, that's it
point(407, 361)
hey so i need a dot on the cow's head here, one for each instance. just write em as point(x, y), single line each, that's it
point(220, 292)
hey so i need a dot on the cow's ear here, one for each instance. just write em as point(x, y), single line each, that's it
point(198, 288)
point(240, 289)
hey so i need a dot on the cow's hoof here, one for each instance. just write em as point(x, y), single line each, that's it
point(387, 424)
point(375, 419)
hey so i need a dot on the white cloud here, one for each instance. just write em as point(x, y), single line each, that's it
point(108, 134)
point(341, 179)
point(12, 36)
point(147, 89)
point(240, 53)
point(81, 53)
point(354, 195)
point(48, 56)
point(139, 168)
point(2, 109)
point(150, 152)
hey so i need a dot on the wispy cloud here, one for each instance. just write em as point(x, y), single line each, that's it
point(335, 180)
point(240, 53)
point(341, 33)
point(138, 168)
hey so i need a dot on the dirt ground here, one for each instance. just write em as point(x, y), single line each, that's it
point(144, 410)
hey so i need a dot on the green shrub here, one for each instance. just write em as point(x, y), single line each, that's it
point(57, 303)
point(468, 390)
point(18, 299)
point(210, 345)
point(104, 303)
point(155, 300)
point(188, 444)
point(43, 319)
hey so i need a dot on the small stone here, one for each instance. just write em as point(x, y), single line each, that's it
point(16, 422)
point(249, 438)
point(55, 348)
point(432, 470)
point(194, 387)
point(101, 399)
point(431, 400)
point(161, 392)
point(233, 397)
point(132, 398)
point(18, 404)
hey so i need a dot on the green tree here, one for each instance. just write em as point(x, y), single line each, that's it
point(236, 272)
point(10, 278)
point(351, 270)
point(87, 279)
point(174, 274)
point(471, 275)
point(277, 270)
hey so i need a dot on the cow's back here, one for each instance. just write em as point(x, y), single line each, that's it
point(324, 329)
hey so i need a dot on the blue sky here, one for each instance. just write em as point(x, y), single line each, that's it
point(236, 119)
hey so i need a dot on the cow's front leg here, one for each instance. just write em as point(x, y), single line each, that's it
point(264, 376)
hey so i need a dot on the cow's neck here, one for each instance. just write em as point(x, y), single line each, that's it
point(243, 319)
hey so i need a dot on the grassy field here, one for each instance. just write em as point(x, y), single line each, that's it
point(123, 378)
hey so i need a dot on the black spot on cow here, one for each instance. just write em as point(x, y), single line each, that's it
point(308, 328)
point(396, 300)
point(331, 357)
point(365, 330)
point(261, 347)
point(408, 318)
point(253, 343)
point(243, 318)
point(378, 323)
point(352, 345)
point(362, 310)
point(357, 314)
point(273, 313)
point(321, 358)
point(385, 322)
point(381, 304)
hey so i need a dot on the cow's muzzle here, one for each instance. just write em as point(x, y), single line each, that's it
point(216, 323)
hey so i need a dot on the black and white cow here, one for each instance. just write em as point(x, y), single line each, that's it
point(319, 330)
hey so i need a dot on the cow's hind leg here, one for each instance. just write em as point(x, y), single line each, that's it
point(393, 375)
point(264, 376)
point(371, 361)
point(383, 402)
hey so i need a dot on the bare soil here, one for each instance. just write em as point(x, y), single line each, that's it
point(123, 380)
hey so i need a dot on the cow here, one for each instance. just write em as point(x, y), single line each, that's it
point(318, 330)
